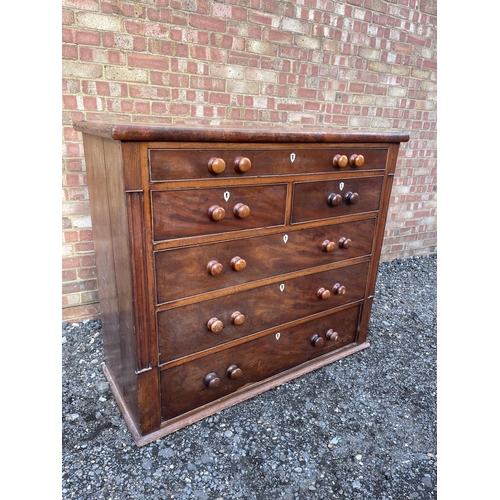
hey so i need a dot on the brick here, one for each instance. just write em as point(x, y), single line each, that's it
point(81, 70)
point(207, 23)
point(296, 26)
point(126, 74)
point(148, 61)
point(99, 22)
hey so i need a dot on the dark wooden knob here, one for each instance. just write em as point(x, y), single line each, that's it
point(214, 267)
point(237, 318)
point(340, 161)
point(215, 325)
point(323, 293)
point(212, 380)
point(332, 335)
point(334, 200)
point(328, 246)
point(238, 264)
point(216, 213)
point(351, 198)
point(356, 160)
point(233, 372)
point(216, 165)
point(317, 341)
point(241, 210)
point(344, 242)
point(242, 164)
point(338, 289)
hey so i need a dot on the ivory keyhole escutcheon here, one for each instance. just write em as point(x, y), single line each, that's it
point(292, 157)
point(278, 335)
point(282, 287)
point(226, 196)
point(341, 186)
point(285, 238)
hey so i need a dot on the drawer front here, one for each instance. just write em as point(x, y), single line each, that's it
point(195, 212)
point(183, 387)
point(184, 272)
point(324, 200)
point(187, 329)
point(178, 164)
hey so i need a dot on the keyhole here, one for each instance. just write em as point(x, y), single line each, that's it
point(292, 157)
point(226, 196)
point(285, 238)
point(282, 287)
point(278, 335)
point(341, 186)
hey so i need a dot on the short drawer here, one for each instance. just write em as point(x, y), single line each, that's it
point(191, 328)
point(177, 164)
point(328, 199)
point(194, 212)
point(201, 381)
point(184, 272)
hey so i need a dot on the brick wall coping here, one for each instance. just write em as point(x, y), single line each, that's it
point(253, 133)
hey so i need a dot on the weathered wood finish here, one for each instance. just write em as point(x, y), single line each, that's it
point(226, 263)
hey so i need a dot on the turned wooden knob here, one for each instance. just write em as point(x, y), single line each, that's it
point(351, 198)
point(338, 289)
point(242, 164)
point(233, 372)
point(344, 242)
point(212, 380)
point(214, 267)
point(216, 213)
point(241, 210)
point(356, 160)
point(323, 293)
point(332, 335)
point(215, 325)
point(334, 200)
point(216, 165)
point(328, 246)
point(340, 161)
point(316, 340)
point(238, 264)
point(237, 318)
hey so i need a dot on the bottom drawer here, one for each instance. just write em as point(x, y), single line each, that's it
point(201, 381)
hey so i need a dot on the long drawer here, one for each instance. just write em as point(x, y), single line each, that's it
point(188, 329)
point(195, 212)
point(190, 385)
point(184, 272)
point(329, 199)
point(176, 164)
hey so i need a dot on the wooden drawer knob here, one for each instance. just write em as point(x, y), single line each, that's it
point(344, 242)
point(242, 164)
point(216, 213)
point(317, 341)
point(351, 198)
point(212, 380)
point(216, 165)
point(233, 372)
point(340, 161)
point(356, 160)
point(238, 264)
point(328, 246)
point(241, 210)
point(338, 289)
point(323, 293)
point(334, 200)
point(237, 318)
point(215, 325)
point(214, 267)
point(332, 335)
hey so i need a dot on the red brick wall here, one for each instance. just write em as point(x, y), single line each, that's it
point(356, 65)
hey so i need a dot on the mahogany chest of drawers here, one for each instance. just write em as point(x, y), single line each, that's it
point(230, 260)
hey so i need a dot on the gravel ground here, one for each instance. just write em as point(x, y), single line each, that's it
point(361, 428)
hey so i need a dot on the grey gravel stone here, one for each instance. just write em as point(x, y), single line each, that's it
point(298, 441)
